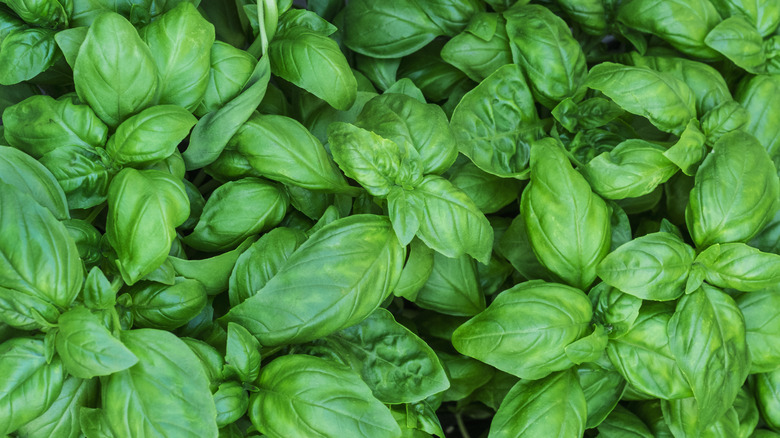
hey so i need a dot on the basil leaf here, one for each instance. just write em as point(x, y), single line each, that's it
point(633, 168)
point(180, 44)
point(739, 266)
point(237, 210)
point(27, 175)
point(553, 406)
point(370, 260)
point(281, 149)
point(141, 235)
point(643, 356)
point(86, 347)
point(651, 267)
point(452, 287)
point(761, 328)
point(303, 393)
point(40, 124)
point(115, 72)
point(295, 51)
point(261, 261)
point(166, 307)
point(536, 34)
point(150, 135)
point(166, 393)
point(387, 30)
point(410, 123)
point(558, 202)
point(31, 385)
point(398, 366)
point(535, 319)
point(62, 417)
point(495, 123)
point(33, 241)
point(707, 338)
point(736, 192)
point(660, 97)
point(243, 353)
point(450, 222)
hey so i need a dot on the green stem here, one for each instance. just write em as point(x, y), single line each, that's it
point(461, 426)
point(94, 213)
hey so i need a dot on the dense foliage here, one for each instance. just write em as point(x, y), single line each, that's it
point(390, 218)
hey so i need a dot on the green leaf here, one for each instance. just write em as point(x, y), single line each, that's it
point(660, 97)
point(588, 348)
point(633, 168)
point(450, 222)
point(355, 262)
point(478, 52)
point(495, 123)
point(144, 208)
point(651, 267)
point(213, 272)
point(243, 353)
point(83, 173)
point(374, 162)
point(180, 44)
point(643, 357)
point(683, 24)
point(602, 386)
point(165, 394)
point(387, 29)
point(281, 149)
point(313, 62)
point(767, 386)
point(489, 192)
point(707, 338)
point(86, 347)
point(551, 58)
point(214, 130)
point(230, 68)
point(688, 152)
point(615, 309)
point(40, 124)
point(404, 213)
point(398, 366)
point(410, 123)
point(30, 384)
point(452, 287)
point(301, 394)
point(115, 72)
point(98, 292)
point(567, 224)
point(417, 270)
point(237, 210)
point(26, 53)
point(762, 328)
point(33, 242)
point(166, 307)
point(763, 111)
point(534, 319)
point(739, 41)
point(44, 13)
point(739, 266)
point(62, 417)
point(622, 423)
point(724, 118)
point(149, 136)
point(27, 175)
point(69, 41)
point(736, 192)
point(553, 406)
point(231, 401)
